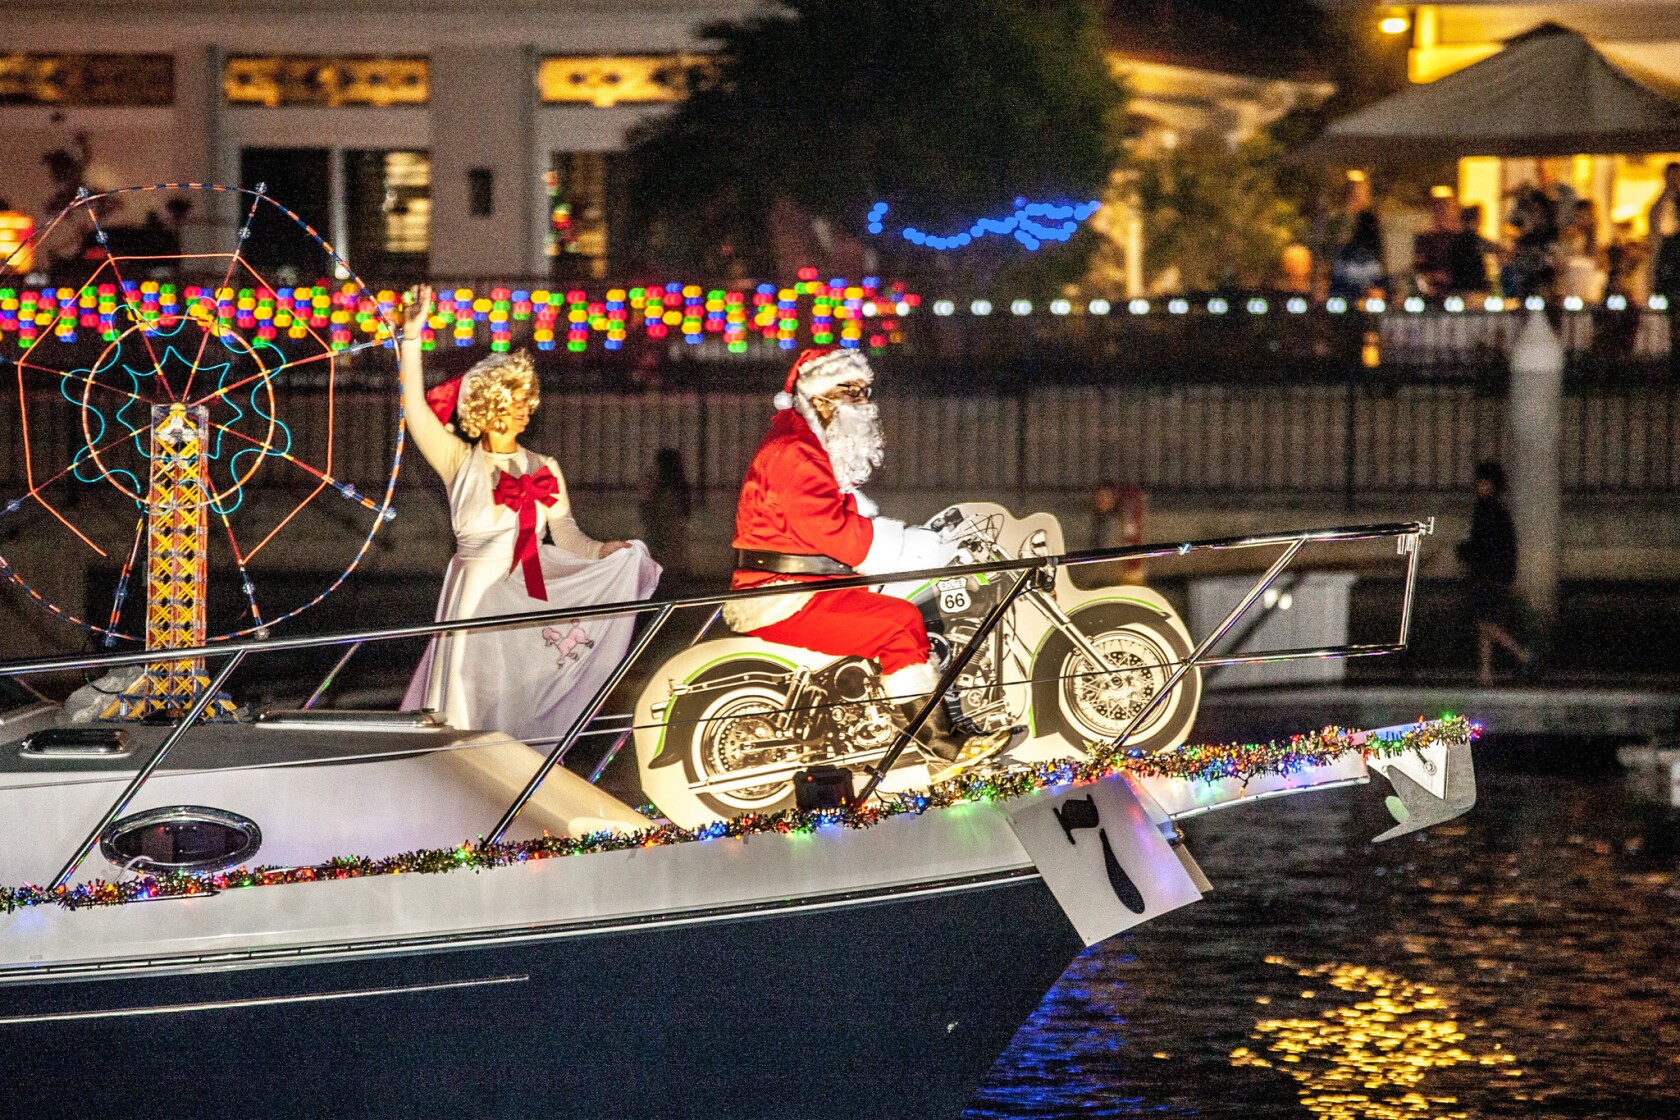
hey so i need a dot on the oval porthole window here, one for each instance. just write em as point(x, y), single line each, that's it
point(182, 838)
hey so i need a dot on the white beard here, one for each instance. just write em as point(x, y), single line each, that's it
point(852, 439)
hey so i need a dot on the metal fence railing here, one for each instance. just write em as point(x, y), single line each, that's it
point(1256, 438)
point(1253, 396)
point(1358, 437)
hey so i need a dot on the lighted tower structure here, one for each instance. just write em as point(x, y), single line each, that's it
point(177, 535)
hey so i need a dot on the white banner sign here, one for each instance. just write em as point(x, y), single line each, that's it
point(1102, 856)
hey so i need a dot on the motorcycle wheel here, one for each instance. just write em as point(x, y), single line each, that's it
point(711, 731)
point(1086, 707)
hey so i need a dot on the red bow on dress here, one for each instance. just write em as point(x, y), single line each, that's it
point(521, 494)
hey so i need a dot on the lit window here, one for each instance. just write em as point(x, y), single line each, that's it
point(326, 81)
point(607, 80)
point(87, 79)
point(388, 211)
point(16, 229)
point(407, 203)
point(579, 199)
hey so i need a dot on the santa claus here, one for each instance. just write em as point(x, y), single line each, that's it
point(802, 519)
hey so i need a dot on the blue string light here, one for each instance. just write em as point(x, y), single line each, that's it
point(1032, 224)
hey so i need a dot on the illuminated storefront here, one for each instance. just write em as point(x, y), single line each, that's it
point(1638, 36)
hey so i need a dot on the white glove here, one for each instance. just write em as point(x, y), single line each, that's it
point(923, 548)
point(903, 548)
point(865, 504)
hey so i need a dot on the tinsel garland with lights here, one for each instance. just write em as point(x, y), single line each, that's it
point(1207, 763)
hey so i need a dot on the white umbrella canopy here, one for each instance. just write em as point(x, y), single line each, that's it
point(1549, 92)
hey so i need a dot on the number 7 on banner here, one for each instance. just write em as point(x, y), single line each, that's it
point(1102, 856)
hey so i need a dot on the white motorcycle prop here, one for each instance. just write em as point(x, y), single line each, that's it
point(722, 728)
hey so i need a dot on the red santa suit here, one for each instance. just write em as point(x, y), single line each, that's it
point(793, 504)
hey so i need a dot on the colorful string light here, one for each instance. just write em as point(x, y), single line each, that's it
point(350, 316)
point(1208, 763)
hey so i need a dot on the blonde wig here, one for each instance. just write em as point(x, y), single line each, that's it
point(490, 390)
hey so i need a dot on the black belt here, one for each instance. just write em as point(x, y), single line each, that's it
point(790, 564)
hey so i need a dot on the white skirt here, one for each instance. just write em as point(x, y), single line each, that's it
point(528, 681)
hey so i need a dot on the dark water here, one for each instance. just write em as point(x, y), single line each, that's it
point(1519, 962)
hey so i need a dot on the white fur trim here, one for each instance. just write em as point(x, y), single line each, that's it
point(783, 401)
point(886, 551)
point(911, 682)
point(819, 375)
point(746, 615)
point(865, 504)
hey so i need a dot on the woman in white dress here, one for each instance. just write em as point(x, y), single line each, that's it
point(529, 681)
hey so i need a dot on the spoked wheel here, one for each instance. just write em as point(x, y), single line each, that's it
point(1095, 703)
point(737, 734)
point(720, 726)
point(194, 429)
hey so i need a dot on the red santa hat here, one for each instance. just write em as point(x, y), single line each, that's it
point(445, 397)
point(820, 369)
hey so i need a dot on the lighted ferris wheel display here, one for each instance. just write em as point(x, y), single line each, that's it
point(179, 404)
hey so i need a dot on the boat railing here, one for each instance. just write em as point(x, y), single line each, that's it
point(1032, 574)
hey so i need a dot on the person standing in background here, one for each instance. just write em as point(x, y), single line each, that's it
point(1532, 269)
point(1665, 255)
point(1432, 248)
point(1468, 255)
point(1582, 273)
point(1625, 264)
point(1489, 556)
point(1331, 228)
point(1358, 269)
point(666, 505)
point(1116, 522)
point(1665, 236)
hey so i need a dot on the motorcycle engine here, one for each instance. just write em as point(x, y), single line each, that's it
point(864, 716)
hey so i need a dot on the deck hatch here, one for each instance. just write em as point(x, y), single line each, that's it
point(77, 742)
point(182, 838)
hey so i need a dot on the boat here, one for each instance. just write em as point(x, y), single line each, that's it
point(317, 911)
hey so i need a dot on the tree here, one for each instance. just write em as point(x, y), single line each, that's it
point(945, 109)
point(1214, 214)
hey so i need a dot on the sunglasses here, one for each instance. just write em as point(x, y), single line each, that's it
point(857, 393)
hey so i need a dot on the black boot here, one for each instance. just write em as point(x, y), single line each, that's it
point(935, 735)
point(956, 751)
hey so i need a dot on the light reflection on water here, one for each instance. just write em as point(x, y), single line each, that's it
point(1516, 963)
point(1371, 1057)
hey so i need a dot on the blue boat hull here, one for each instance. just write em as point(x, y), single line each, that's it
point(892, 1004)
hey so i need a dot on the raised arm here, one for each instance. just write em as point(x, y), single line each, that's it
point(437, 446)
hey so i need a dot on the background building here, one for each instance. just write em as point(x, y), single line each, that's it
point(1641, 36)
point(445, 137)
point(438, 139)
point(1191, 78)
